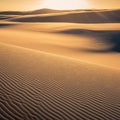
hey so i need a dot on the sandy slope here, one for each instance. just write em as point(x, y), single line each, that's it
point(94, 43)
point(38, 85)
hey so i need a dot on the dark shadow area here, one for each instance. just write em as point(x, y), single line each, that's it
point(80, 17)
point(4, 17)
point(6, 25)
point(11, 13)
point(111, 37)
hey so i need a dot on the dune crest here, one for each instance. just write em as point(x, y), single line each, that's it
point(74, 17)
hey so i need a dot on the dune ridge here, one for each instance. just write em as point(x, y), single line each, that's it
point(43, 11)
point(95, 44)
point(59, 55)
point(74, 17)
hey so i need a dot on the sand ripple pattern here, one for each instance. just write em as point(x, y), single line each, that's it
point(36, 85)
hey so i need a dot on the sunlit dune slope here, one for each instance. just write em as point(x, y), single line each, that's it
point(39, 85)
point(94, 43)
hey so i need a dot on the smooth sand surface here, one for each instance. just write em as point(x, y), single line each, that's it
point(94, 43)
point(59, 71)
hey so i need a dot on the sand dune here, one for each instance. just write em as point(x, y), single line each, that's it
point(41, 85)
point(93, 44)
point(40, 11)
point(74, 17)
point(43, 11)
point(59, 71)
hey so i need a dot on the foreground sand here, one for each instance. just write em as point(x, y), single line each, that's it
point(37, 85)
point(59, 71)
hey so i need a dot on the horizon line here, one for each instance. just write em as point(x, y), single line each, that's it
point(60, 9)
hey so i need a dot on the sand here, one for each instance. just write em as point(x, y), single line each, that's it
point(59, 71)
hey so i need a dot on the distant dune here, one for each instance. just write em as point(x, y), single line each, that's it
point(40, 11)
point(74, 17)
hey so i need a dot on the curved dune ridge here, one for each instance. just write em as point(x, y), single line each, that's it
point(39, 85)
point(95, 43)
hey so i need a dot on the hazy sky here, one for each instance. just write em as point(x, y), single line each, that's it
point(6, 5)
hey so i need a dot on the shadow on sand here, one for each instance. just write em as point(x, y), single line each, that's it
point(4, 17)
point(2, 25)
point(111, 37)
